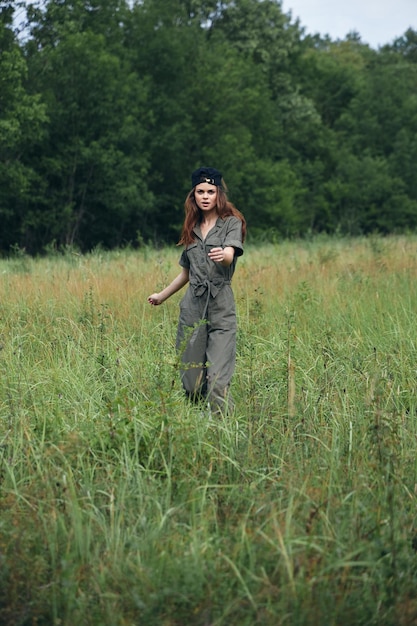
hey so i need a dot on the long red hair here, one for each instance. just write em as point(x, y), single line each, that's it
point(193, 214)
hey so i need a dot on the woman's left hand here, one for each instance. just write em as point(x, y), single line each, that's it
point(216, 255)
point(224, 256)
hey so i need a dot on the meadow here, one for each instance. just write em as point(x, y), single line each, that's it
point(122, 505)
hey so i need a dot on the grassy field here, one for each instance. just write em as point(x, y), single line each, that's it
point(122, 505)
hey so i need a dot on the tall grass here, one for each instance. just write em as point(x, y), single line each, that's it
point(120, 504)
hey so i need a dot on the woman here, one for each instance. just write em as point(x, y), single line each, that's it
point(213, 234)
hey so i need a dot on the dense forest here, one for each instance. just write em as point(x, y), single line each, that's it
point(106, 106)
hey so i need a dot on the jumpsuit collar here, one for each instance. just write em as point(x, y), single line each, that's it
point(197, 229)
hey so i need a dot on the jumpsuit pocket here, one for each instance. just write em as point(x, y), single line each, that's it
point(196, 254)
point(215, 242)
point(190, 312)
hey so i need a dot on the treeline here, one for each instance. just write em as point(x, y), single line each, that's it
point(107, 106)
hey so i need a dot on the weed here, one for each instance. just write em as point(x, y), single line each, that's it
point(121, 503)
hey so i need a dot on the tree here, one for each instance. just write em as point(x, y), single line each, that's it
point(406, 46)
point(108, 107)
point(366, 197)
point(94, 162)
point(22, 120)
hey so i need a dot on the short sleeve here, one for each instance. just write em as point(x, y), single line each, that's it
point(234, 235)
point(184, 262)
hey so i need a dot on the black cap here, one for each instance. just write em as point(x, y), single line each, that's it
point(206, 175)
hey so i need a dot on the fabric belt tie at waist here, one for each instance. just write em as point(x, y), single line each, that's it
point(212, 286)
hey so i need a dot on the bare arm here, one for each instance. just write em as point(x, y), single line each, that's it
point(224, 256)
point(178, 282)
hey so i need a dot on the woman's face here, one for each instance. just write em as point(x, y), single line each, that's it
point(206, 196)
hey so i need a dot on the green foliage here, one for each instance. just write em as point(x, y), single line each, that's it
point(366, 197)
point(106, 108)
point(22, 122)
point(95, 157)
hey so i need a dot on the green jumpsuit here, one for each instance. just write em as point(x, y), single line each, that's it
point(206, 338)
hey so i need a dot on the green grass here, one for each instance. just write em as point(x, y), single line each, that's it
point(122, 505)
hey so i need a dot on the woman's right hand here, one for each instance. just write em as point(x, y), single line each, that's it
point(178, 282)
point(155, 299)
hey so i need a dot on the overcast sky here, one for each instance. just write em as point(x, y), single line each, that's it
point(377, 21)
